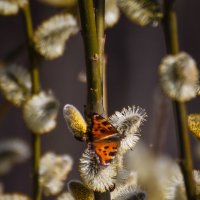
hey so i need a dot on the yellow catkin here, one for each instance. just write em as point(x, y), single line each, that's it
point(75, 122)
point(79, 191)
point(194, 124)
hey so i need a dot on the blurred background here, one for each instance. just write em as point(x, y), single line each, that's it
point(133, 55)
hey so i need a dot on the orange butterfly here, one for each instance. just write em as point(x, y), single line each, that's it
point(103, 139)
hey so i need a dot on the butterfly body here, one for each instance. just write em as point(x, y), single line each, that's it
point(103, 139)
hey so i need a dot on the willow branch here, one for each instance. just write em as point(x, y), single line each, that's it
point(171, 36)
point(93, 35)
point(35, 90)
point(93, 71)
point(105, 91)
point(100, 26)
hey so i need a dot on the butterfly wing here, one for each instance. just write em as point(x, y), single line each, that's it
point(102, 129)
point(105, 139)
point(106, 151)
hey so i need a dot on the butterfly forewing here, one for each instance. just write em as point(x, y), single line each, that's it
point(105, 139)
point(102, 129)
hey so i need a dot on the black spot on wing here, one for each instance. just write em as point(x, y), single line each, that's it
point(105, 123)
point(112, 153)
point(108, 161)
point(106, 147)
point(102, 130)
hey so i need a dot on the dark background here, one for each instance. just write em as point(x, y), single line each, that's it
point(134, 54)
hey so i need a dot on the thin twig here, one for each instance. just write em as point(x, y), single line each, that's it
point(171, 36)
point(35, 90)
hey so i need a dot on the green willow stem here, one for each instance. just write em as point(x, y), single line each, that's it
point(171, 36)
point(93, 70)
point(93, 35)
point(100, 27)
point(105, 94)
point(35, 90)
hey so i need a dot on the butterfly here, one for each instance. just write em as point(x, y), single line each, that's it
point(103, 139)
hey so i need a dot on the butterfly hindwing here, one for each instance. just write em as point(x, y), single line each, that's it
point(106, 151)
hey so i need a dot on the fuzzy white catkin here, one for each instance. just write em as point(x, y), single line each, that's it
point(128, 123)
point(65, 196)
point(51, 36)
point(174, 79)
point(53, 172)
point(13, 196)
point(11, 7)
point(12, 151)
point(95, 177)
point(141, 12)
point(175, 188)
point(112, 13)
point(161, 168)
point(40, 112)
point(15, 83)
